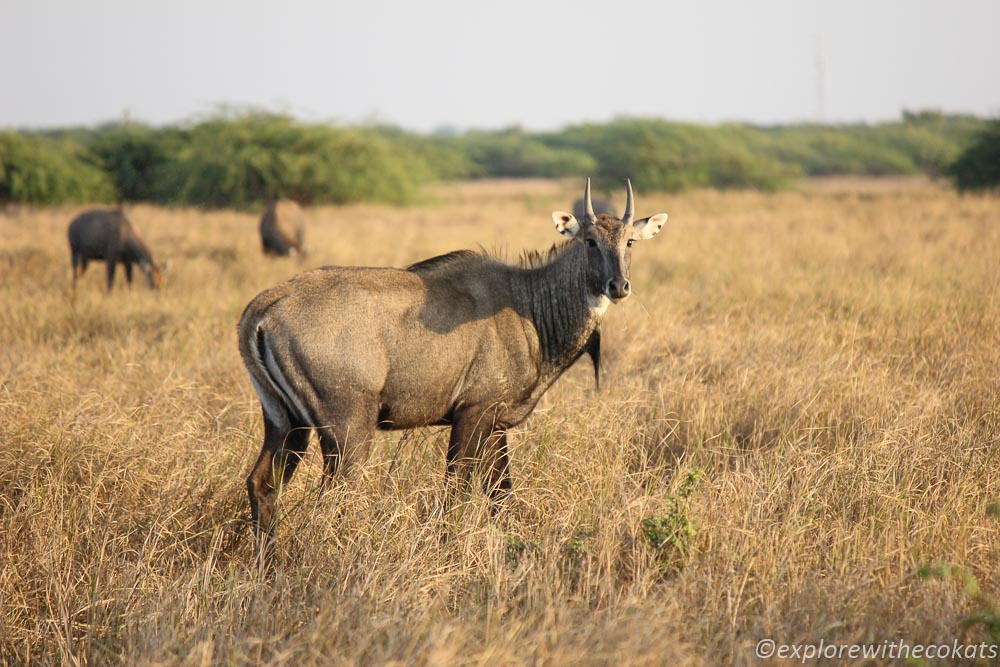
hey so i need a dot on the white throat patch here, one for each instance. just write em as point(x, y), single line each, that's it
point(598, 304)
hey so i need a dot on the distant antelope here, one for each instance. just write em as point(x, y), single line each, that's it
point(282, 228)
point(461, 339)
point(601, 206)
point(107, 235)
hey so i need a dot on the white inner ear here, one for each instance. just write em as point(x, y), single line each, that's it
point(647, 228)
point(566, 224)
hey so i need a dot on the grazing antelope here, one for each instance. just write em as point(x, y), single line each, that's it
point(107, 235)
point(282, 229)
point(461, 339)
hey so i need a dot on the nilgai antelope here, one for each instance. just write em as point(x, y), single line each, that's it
point(601, 206)
point(107, 235)
point(282, 229)
point(461, 339)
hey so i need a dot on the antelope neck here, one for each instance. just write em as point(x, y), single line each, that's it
point(561, 306)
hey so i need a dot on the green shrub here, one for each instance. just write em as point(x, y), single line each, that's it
point(38, 170)
point(670, 533)
point(514, 154)
point(663, 155)
point(828, 151)
point(248, 159)
point(987, 614)
point(442, 155)
point(978, 168)
point(243, 159)
point(134, 158)
point(993, 509)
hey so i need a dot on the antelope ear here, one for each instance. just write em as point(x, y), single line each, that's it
point(647, 228)
point(567, 224)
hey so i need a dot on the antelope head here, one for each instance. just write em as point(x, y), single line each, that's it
point(608, 242)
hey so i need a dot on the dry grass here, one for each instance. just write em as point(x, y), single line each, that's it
point(829, 359)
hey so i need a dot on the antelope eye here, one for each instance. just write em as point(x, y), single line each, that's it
point(630, 242)
point(591, 243)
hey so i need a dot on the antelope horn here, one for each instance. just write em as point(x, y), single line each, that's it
point(629, 204)
point(589, 211)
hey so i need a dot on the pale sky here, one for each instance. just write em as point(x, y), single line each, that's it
point(543, 65)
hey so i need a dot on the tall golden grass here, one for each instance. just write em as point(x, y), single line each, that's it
point(828, 360)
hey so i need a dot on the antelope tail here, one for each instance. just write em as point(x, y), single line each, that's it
point(277, 395)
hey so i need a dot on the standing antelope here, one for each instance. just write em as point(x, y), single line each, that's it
point(282, 229)
point(461, 339)
point(107, 235)
point(599, 205)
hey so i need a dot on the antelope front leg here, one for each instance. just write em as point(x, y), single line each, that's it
point(459, 467)
point(111, 273)
point(478, 441)
point(496, 471)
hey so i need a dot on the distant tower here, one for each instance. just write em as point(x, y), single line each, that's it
point(820, 97)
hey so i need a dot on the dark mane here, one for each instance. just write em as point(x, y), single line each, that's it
point(529, 259)
point(441, 261)
point(533, 259)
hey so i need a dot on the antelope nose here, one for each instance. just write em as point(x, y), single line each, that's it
point(618, 288)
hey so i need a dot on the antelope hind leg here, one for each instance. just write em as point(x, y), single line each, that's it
point(279, 456)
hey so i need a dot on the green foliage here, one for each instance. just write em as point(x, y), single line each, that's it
point(658, 154)
point(134, 157)
point(443, 156)
point(928, 150)
point(512, 153)
point(987, 614)
point(925, 141)
point(38, 170)
point(666, 155)
point(993, 509)
point(824, 151)
point(670, 533)
point(577, 543)
point(245, 160)
point(577, 553)
point(978, 167)
point(514, 548)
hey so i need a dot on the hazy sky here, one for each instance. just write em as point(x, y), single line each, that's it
point(431, 63)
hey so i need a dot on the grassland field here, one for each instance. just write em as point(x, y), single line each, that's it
point(800, 408)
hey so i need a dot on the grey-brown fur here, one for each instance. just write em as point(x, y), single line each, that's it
point(282, 229)
point(461, 339)
point(108, 236)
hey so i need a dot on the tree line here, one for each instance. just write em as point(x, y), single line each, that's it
point(243, 159)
